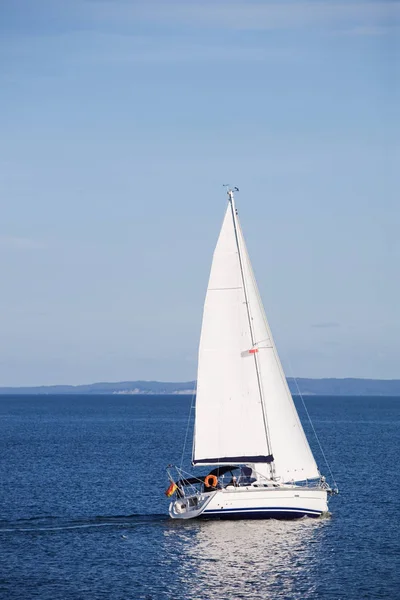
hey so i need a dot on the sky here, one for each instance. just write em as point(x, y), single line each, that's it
point(121, 120)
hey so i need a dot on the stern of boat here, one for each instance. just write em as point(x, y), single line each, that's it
point(189, 507)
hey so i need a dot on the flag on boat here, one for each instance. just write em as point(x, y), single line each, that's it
point(249, 352)
point(171, 489)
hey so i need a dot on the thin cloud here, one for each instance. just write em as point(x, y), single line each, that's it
point(368, 31)
point(91, 48)
point(117, 32)
point(325, 325)
point(12, 242)
point(241, 15)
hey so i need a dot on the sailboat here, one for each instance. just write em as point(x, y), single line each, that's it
point(247, 431)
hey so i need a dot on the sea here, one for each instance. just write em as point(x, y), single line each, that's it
point(83, 513)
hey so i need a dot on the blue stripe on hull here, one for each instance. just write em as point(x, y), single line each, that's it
point(261, 513)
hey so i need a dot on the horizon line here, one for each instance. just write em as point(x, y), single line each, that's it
point(192, 382)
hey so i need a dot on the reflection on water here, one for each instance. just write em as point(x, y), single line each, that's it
point(247, 559)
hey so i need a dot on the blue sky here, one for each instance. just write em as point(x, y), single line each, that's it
point(121, 120)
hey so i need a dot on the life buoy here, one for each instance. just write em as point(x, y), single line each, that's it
point(211, 481)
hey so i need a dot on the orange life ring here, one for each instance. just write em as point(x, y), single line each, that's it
point(210, 481)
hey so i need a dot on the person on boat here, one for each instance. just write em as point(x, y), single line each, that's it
point(233, 481)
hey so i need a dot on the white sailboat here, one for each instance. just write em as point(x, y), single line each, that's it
point(247, 429)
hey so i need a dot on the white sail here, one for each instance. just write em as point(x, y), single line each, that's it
point(244, 410)
point(293, 459)
point(229, 425)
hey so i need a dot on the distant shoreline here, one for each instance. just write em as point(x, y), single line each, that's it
point(306, 386)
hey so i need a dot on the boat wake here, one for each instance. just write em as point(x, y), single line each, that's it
point(326, 515)
point(54, 523)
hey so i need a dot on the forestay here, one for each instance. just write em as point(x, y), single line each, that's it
point(244, 409)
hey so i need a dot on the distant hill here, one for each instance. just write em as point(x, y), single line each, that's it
point(315, 387)
point(122, 387)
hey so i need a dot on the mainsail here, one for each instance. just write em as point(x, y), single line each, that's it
point(244, 410)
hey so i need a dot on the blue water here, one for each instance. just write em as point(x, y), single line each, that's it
point(83, 515)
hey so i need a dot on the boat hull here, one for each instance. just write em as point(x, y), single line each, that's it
point(253, 503)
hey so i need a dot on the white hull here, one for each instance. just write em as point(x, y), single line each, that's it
point(253, 503)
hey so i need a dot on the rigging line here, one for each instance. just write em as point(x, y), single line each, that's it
point(183, 472)
point(188, 423)
point(312, 426)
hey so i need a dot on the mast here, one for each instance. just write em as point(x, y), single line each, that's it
point(270, 458)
